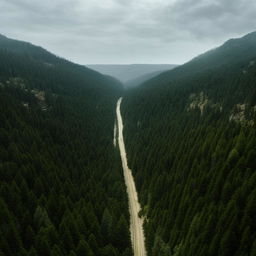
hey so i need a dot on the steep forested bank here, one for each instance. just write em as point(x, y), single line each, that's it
point(191, 143)
point(61, 183)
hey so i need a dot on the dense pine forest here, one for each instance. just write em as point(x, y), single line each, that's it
point(61, 183)
point(191, 143)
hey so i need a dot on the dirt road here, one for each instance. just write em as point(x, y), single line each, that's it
point(136, 228)
point(115, 134)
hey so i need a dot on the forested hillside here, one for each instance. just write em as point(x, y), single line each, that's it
point(234, 54)
point(191, 143)
point(61, 184)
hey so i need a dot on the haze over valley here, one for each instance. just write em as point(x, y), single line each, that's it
point(133, 74)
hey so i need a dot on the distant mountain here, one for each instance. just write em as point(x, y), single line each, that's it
point(141, 79)
point(61, 185)
point(191, 143)
point(125, 73)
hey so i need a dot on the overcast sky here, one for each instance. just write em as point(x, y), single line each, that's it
point(127, 31)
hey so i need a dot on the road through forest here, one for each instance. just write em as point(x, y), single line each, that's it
point(136, 223)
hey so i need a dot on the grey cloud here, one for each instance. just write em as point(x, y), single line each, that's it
point(122, 31)
point(211, 19)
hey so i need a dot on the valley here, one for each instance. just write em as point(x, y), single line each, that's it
point(134, 74)
point(91, 167)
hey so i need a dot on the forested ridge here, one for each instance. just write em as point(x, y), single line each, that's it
point(191, 144)
point(61, 182)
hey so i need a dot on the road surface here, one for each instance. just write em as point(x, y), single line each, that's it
point(114, 139)
point(136, 227)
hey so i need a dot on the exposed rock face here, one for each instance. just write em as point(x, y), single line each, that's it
point(242, 114)
point(21, 83)
point(201, 101)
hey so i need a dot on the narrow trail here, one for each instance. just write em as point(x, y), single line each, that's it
point(136, 227)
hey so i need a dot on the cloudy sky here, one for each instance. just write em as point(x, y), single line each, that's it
point(127, 31)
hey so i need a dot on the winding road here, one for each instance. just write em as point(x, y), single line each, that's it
point(136, 223)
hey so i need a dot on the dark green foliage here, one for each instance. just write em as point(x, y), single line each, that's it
point(59, 170)
point(83, 249)
point(121, 233)
point(195, 168)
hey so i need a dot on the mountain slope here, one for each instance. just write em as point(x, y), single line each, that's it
point(35, 55)
point(235, 52)
point(125, 73)
point(61, 183)
point(191, 143)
